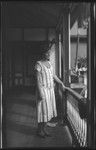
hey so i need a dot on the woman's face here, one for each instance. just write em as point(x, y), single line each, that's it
point(47, 55)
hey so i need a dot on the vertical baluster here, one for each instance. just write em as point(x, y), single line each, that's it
point(73, 117)
point(78, 126)
point(82, 133)
point(85, 131)
point(69, 110)
point(76, 122)
point(80, 129)
point(86, 135)
point(71, 114)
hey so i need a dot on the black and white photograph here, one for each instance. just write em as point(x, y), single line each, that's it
point(47, 74)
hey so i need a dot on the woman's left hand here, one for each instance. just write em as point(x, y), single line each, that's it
point(63, 86)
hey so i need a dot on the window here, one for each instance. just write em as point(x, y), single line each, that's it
point(78, 46)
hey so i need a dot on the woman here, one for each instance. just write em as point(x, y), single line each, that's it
point(46, 105)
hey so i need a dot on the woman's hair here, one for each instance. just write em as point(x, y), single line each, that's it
point(46, 47)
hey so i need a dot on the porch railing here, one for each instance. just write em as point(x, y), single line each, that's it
point(76, 116)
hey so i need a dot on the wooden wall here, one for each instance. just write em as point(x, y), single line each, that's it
point(23, 51)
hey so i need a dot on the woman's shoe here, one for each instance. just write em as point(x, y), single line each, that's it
point(47, 133)
point(41, 134)
point(40, 131)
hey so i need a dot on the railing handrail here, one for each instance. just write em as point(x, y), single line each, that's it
point(82, 102)
point(78, 97)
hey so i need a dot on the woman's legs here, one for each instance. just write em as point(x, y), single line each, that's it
point(40, 130)
point(45, 131)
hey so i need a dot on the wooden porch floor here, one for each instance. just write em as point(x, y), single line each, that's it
point(20, 124)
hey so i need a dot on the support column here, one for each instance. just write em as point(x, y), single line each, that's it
point(65, 30)
point(4, 45)
point(59, 55)
point(69, 40)
point(65, 58)
point(91, 78)
point(4, 71)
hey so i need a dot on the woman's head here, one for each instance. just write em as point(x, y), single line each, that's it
point(46, 55)
point(46, 50)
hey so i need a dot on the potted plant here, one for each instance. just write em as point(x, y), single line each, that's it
point(82, 68)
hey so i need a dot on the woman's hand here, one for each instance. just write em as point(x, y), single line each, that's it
point(63, 86)
point(40, 95)
point(60, 82)
point(41, 98)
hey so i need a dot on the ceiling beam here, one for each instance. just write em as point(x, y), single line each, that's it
point(23, 16)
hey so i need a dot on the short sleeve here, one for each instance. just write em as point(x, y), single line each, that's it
point(38, 67)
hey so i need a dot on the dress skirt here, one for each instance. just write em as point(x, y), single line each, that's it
point(46, 108)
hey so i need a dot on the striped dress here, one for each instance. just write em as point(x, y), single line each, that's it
point(46, 108)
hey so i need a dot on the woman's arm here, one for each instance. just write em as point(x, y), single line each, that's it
point(59, 81)
point(39, 86)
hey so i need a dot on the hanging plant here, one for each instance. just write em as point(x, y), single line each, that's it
point(82, 61)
